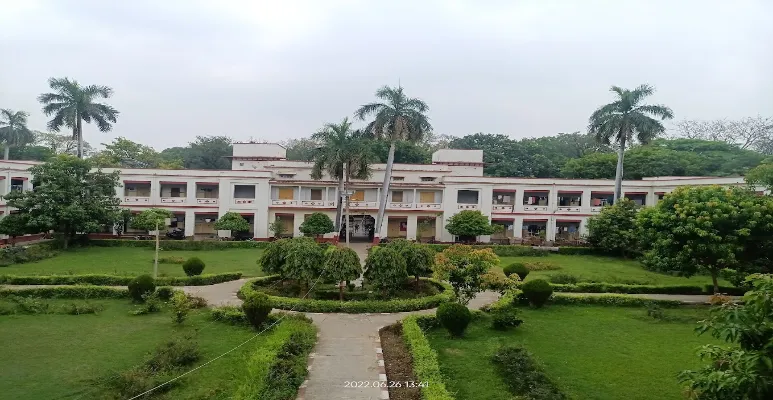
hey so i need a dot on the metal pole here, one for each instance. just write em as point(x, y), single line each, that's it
point(155, 260)
point(347, 221)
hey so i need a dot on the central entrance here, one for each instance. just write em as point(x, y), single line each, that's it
point(361, 229)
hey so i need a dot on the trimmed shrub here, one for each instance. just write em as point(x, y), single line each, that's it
point(454, 317)
point(288, 370)
point(229, 314)
point(577, 251)
point(180, 307)
point(616, 300)
point(523, 376)
point(505, 317)
point(115, 280)
point(180, 244)
point(141, 286)
point(256, 308)
point(728, 290)
point(516, 268)
point(593, 287)
point(563, 278)
point(193, 266)
point(385, 269)
point(171, 260)
point(541, 266)
point(23, 254)
point(425, 362)
point(502, 250)
point(68, 292)
point(537, 291)
point(165, 292)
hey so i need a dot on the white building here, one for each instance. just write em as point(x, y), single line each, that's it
point(263, 186)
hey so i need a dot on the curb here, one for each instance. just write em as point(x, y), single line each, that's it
point(382, 377)
point(302, 389)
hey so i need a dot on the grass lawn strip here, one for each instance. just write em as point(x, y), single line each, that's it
point(591, 352)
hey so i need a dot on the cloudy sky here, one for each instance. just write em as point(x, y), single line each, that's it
point(275, 70)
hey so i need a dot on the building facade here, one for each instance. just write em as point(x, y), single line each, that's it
point(264, 187)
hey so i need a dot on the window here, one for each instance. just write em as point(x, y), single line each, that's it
point(359, 195)
point(426, 197)
point(285, 193)
point(244, 191)
point(397, 196)
point(316, 194)
point(398, 178)
point(428, 179)
point(175, 192)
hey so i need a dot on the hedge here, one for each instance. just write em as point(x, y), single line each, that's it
point(21, 253)
point(180, 244)
point(364, 306)
point(579, 251)
point(116, 280)
point(69, 292)
point(617, 300)
point(593, 287)
point(729, 290)
point(425, 362)
point(502, 250)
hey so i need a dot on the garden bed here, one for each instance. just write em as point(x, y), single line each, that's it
point(398, 364)
point(364, 302)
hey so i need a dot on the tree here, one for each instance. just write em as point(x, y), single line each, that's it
point(385, 269)
point(301, 149)
point(464, 268)
point(278, 228)
point(274, 256)
point(13, 130)
point(303, 261)
point(419, 260)
point(15, 224)
point(762, 175)
point(124, 153)
point(341, 264)
point(209, 152)
point(708, 229)
point(317, 224)
point(68, 197)
point(503, 156)
point(613, 231)
point(469, 224)
point(61, 144)
point(591, 166)
point(233, 222)
point(342, 155)
point(397, 118)
point(743, 370)
point(123, 221)
point(31, 153)
point(151, 219)
point(405, 152)
point(72, 104)
point(747, 133)
point(623, 118)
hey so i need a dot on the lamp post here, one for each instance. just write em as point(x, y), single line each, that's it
point(167, 222)
point(346, 194)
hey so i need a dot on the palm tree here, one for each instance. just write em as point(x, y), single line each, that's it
point(342, 156)
point(623, 118)
point(13, 130)
point(71, 104)
point(397, 118)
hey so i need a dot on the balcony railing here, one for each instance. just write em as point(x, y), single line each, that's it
point(596, 209)
point(569, 208)
point(400, 205)
point(285, 202)
point(429, 206)
point(318, 203)
point(136, 199)
point(502, 207)
point(173, 199)
point(467, 206)
point(206, 201)
point(535, 208)
point(244, 201)
point(363, 204)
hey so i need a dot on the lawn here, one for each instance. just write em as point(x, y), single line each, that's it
point(602, 353)
point(52, 356)
point(607, 269)
point(135, 261)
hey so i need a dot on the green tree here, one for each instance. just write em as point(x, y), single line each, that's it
point(233, 222)
point(13, 130)
point(762, 175)
point(151, 219)
point(591, 166)
point(317, 224)
point(209, 152)
point(743, 370)
point(122, 221)
point(31, 153)
point(72, 104)
point(301, 149)
point(708, 229)
point(613, 231)
point(469, 224)
point(385, 269)
point(272, 261)
point(419, 260)
point(61, 144)
point(341, 264)
point(464, 267)
point(68, 197)
point(405, 152)
point(342, 155)
point(14, 225)
point(278, 228)
point(623, 118)
point(506, 157)
point(643, 161)
point(396, 118)
point(304, 261)
point(124, 153)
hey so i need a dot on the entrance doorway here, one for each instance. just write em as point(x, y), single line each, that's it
point(361, 228)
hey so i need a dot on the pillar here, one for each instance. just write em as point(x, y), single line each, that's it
point(586, 201)
point(297, 221)
point(384, 227)
point(439, 228)
point(190, 223)
point(550, 229)
point(190, 193)
point(410, 234)
point(518, 227)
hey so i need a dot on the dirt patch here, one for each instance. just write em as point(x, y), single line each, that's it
point(398, 364)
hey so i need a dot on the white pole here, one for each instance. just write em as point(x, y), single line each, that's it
point(155, 260)
point(346, 193)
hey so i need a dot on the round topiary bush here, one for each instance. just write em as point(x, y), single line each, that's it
point(256, 308)
point(454, 317)
point(518, 269)
point(537, 291)
point(141, 286)
point(193, 266)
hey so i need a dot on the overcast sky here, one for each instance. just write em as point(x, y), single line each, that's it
point(275, 70)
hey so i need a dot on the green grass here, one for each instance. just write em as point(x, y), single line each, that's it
point(60, 356)
point(601, 353)
point(606, 269)
point(135, 261)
